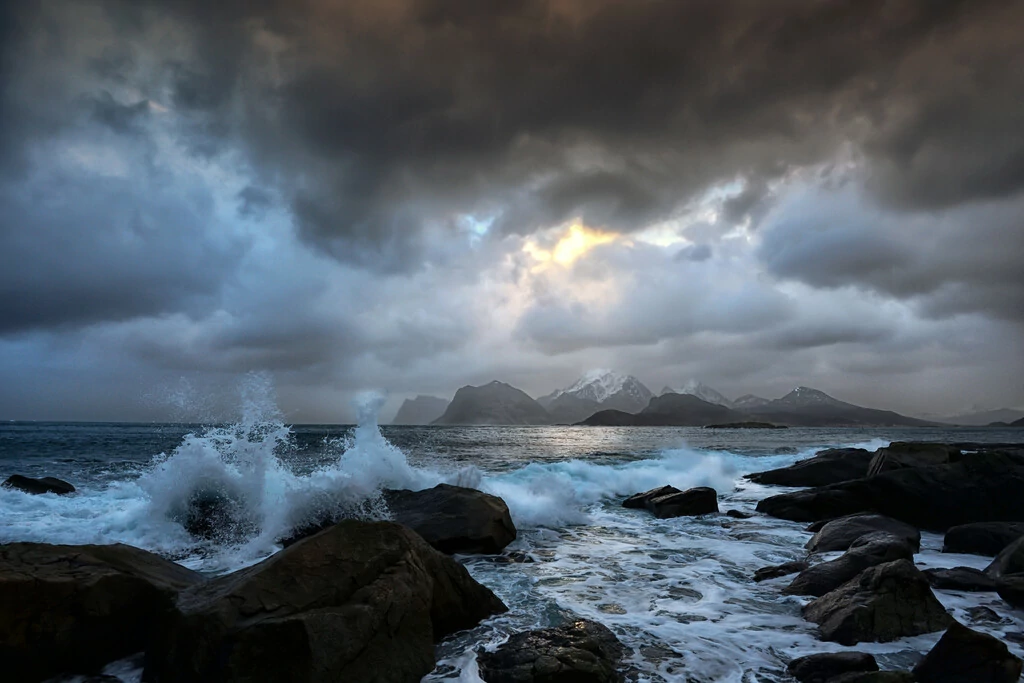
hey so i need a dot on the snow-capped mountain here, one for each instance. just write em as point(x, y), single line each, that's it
point(701, 391)
point(607, 388)
point(749, 401)
point(805, 396)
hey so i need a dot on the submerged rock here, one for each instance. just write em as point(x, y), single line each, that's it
point(965, 655)
point(821, 668)
point(961, 579)
point(904, 454)
point(582, 651)
point(640, 500)
point(982, 538)
point(38, 486)
point(980, 488)
point(454, 519)
point(73, 609)
point(360, 601)
point(867, 551)
point(739, 514)
point(883, 603)
point(1010, 560)
point(784, 569)
point(701, 500)
point(826, 467)
point(839, 534)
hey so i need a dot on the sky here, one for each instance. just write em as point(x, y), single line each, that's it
point(413, 195)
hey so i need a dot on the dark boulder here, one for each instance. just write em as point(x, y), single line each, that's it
point(360, 601)
point(37, 486)
point(578, 652)
point(217, 514)
point(73, 609)
point(883, 603)
point(640, 500)
point(839, 534)
point(904, 454)
point(739, 514)
point(867, 551)
point(965, 655)
point(830, 466)
point(961, 579)
point(874, 677)
point(982, 538)
point(821, 668)
point(983, 487)
point(1011, 589)
point(784, 569)
point(1010, 560)
point(701, 500)
point(454, 519)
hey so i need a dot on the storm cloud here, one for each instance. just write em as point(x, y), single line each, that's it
point(413, 195)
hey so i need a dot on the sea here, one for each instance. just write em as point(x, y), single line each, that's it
point(677, 592)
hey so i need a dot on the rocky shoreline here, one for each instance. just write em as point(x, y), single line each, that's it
point(367, 601)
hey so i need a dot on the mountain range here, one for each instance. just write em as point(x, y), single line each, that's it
point(603, 397)
point(983, 418)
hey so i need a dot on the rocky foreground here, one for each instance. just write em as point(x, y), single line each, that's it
point(367, 601)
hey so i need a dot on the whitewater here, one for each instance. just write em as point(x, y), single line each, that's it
point(677, 592)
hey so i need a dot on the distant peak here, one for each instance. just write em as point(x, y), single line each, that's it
point(601, 383)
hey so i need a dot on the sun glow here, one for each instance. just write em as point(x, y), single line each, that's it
point(576, 242)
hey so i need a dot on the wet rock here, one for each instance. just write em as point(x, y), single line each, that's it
point(73, 609)
point(38, 486)
point(869, 550)
point(961, 579)
point(965, 655)
point(839, 534)
point(984, 615)
point(216, 514)
point(640, 500)
point(906, 454)
point(1010, 560)
point(784, 569)
point(513, 557)
point(359, 601)
point(738, 514)
point(874, 677)
point(1011, 589)
point(982, 538)
point(980, 488)
point(821, 668)
point(826, 467)
point(883, 603)
point(454, 519)
point(582, 651)
point(701, 500)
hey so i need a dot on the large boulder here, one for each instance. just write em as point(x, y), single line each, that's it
point(38, 486)
point(867, 551)
point(72, 609)
point(826, 467)
point(982, 538)
point(701, 500)
point(883, 603)
point(961, 579)
point(640, 500)
point(454, 519)
point(965, 655)
point(359, 601)
point(823, 667)
point(903, 454)
point(1011, 589)
point(980, 488)
point(839, 534)
point(1010, 560)
point(874, 677)
point(578, 652)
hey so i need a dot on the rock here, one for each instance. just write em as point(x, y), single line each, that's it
point(216, 514)
point(739, 514)
point(513, 557)
point(784, 569)
point(821, 668)
point(965, 655)
point(982, 538)
point(883, 603)
point(1010, 560)
point(983, 487)
point(73, 609)
point(867, 551)
point(874, 677)
point(640, 500)
point(454, 519)
point(37, 486)
point(579, 652)
point(1011, 589)
point(826, 467)
point(984, 615)
point(840, 533)
point(359, 601)
point(904, 454)
point(960, 579)
point(701, 500)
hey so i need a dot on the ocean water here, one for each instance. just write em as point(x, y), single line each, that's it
point(677, 592)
